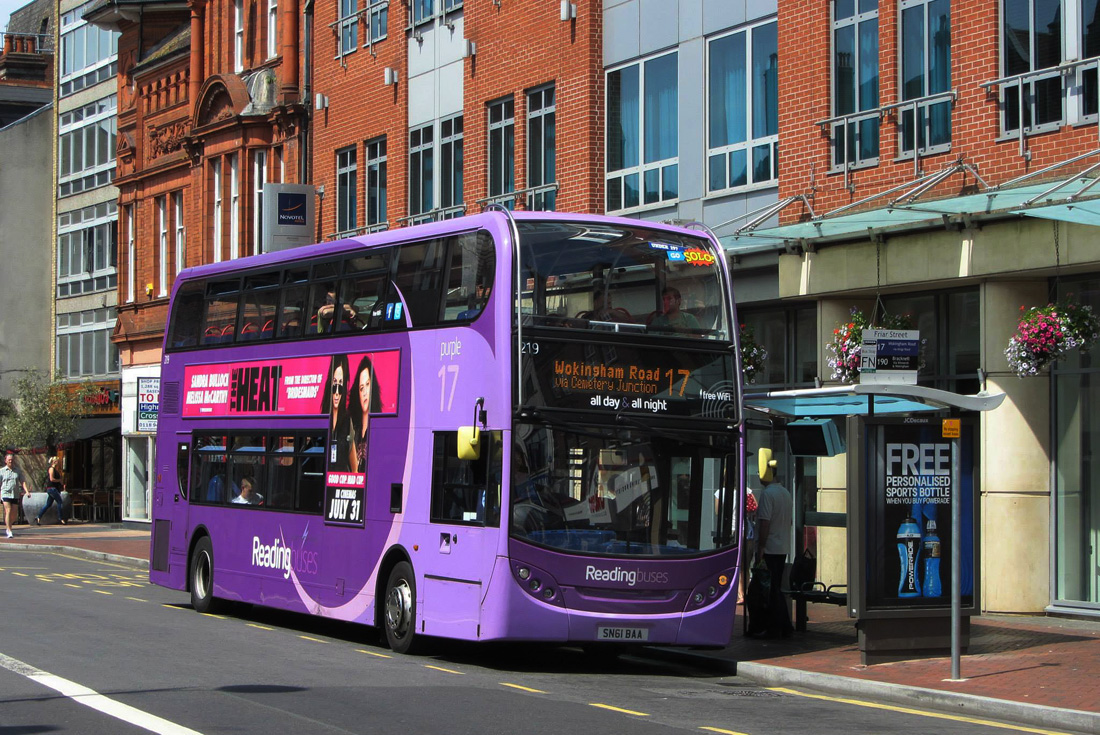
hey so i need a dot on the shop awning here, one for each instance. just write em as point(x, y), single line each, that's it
point(853, 400)
point(88, 428)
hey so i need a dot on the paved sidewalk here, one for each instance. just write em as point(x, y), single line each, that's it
point(1033, 670)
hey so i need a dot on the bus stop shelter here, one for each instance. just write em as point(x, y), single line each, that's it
point(913, 510)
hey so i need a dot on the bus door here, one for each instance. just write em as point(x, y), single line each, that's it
point(465, 520)
point(169, 512)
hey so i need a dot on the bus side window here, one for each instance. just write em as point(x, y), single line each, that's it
point(295, 290)
point(183, 464)
point(311, 481)
point(470, 280)
point(365, 291)
point(260, 302)
point(282, 469)
point(465, 491)
point(187, 315)
point(220, 321)
point(208, 470)
point(419, 280)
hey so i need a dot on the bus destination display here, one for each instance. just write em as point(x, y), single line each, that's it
point(632, 379)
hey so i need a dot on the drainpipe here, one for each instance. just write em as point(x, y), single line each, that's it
point(305, 172)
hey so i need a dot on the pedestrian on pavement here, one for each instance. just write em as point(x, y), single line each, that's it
point(773, 538)
point(11, 480)
point(54, 486)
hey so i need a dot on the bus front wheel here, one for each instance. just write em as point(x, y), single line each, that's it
point(400, 612)
point(202, 577)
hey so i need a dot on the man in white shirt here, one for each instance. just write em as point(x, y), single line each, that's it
point(773, 538)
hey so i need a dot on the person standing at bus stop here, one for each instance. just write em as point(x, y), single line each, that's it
point(365, 400)
point(773, 538)
point(335, 402)
point(11, 480)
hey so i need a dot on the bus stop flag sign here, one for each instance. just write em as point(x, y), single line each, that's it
point(890, 356)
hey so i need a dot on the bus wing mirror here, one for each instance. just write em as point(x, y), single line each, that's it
point(469, 442)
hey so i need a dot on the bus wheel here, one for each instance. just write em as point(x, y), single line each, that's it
point(400, 617)
point(202, 577)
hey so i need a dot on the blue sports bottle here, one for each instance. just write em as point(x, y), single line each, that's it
point(908, 548)
point(932, 586)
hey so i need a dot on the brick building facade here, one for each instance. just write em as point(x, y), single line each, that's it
point(446, 105)
point(991, 216)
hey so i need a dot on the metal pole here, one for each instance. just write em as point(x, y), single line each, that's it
point(956, 561)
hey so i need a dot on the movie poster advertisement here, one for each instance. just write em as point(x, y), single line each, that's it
point(350, 389)
point(909, 548)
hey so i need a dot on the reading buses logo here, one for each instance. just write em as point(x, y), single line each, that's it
point(278, 555)
point(629, 576)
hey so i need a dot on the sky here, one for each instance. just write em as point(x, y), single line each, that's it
point(6, 8)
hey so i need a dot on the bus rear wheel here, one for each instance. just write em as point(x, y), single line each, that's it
point(399, 618)
point(202, 577)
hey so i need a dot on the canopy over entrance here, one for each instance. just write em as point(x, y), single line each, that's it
point(853, 400)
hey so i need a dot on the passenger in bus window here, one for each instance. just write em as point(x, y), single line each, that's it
point(365, 399)
point(327, 309)
point(672, 318)
point(248, 494)
point(336, 404)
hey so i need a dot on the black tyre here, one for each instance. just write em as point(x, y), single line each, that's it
point(202, 577)
point(399, 613)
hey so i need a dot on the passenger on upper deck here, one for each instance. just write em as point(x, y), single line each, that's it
point(325, 312)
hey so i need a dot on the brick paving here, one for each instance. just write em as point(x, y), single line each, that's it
point(1041, 660)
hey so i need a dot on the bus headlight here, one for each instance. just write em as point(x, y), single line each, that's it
point(548, 593)
point(524, 573)
point(534, 584)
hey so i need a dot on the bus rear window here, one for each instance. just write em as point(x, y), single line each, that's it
point(186, 315)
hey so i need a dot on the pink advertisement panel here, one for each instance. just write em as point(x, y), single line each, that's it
point(289, 387)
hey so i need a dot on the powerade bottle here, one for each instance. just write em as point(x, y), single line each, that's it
point(908, 548)
point(932, 586)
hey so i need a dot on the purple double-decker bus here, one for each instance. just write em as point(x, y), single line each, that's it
point(500, 427)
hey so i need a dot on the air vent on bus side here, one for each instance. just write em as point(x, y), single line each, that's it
point(170, 399)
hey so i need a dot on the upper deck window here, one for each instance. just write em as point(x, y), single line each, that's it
point(412, 285)
point(619, 279)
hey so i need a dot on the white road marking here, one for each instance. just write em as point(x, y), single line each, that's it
point(90, 698)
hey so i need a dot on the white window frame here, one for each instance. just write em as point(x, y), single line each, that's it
point(180, 231)
point(377, 30)
point(348, 30)
point(454, 187)
point(497, 158)
point(259, 178)
point(73, 25)
point(417, 11)
point(218, 214)
point(130, 254)
point(73, 125)
point(162, 245)
point(272, 28)
point(234, 208)
point(77, 336)
point(643, 166)
point(375, 152)
point(102, 217)
point(851, 158)
point(750, 143)
point(347, 173)
point(238, 36)
point(416, 160)
point(536, 118)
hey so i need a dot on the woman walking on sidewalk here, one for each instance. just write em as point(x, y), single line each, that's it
point(10, 482)
point(53, 490)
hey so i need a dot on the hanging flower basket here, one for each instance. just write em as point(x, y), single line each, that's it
point(1048, 333)
point(753, 354)
point(847, 343)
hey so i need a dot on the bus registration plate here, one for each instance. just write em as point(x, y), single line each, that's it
point(622, 634)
